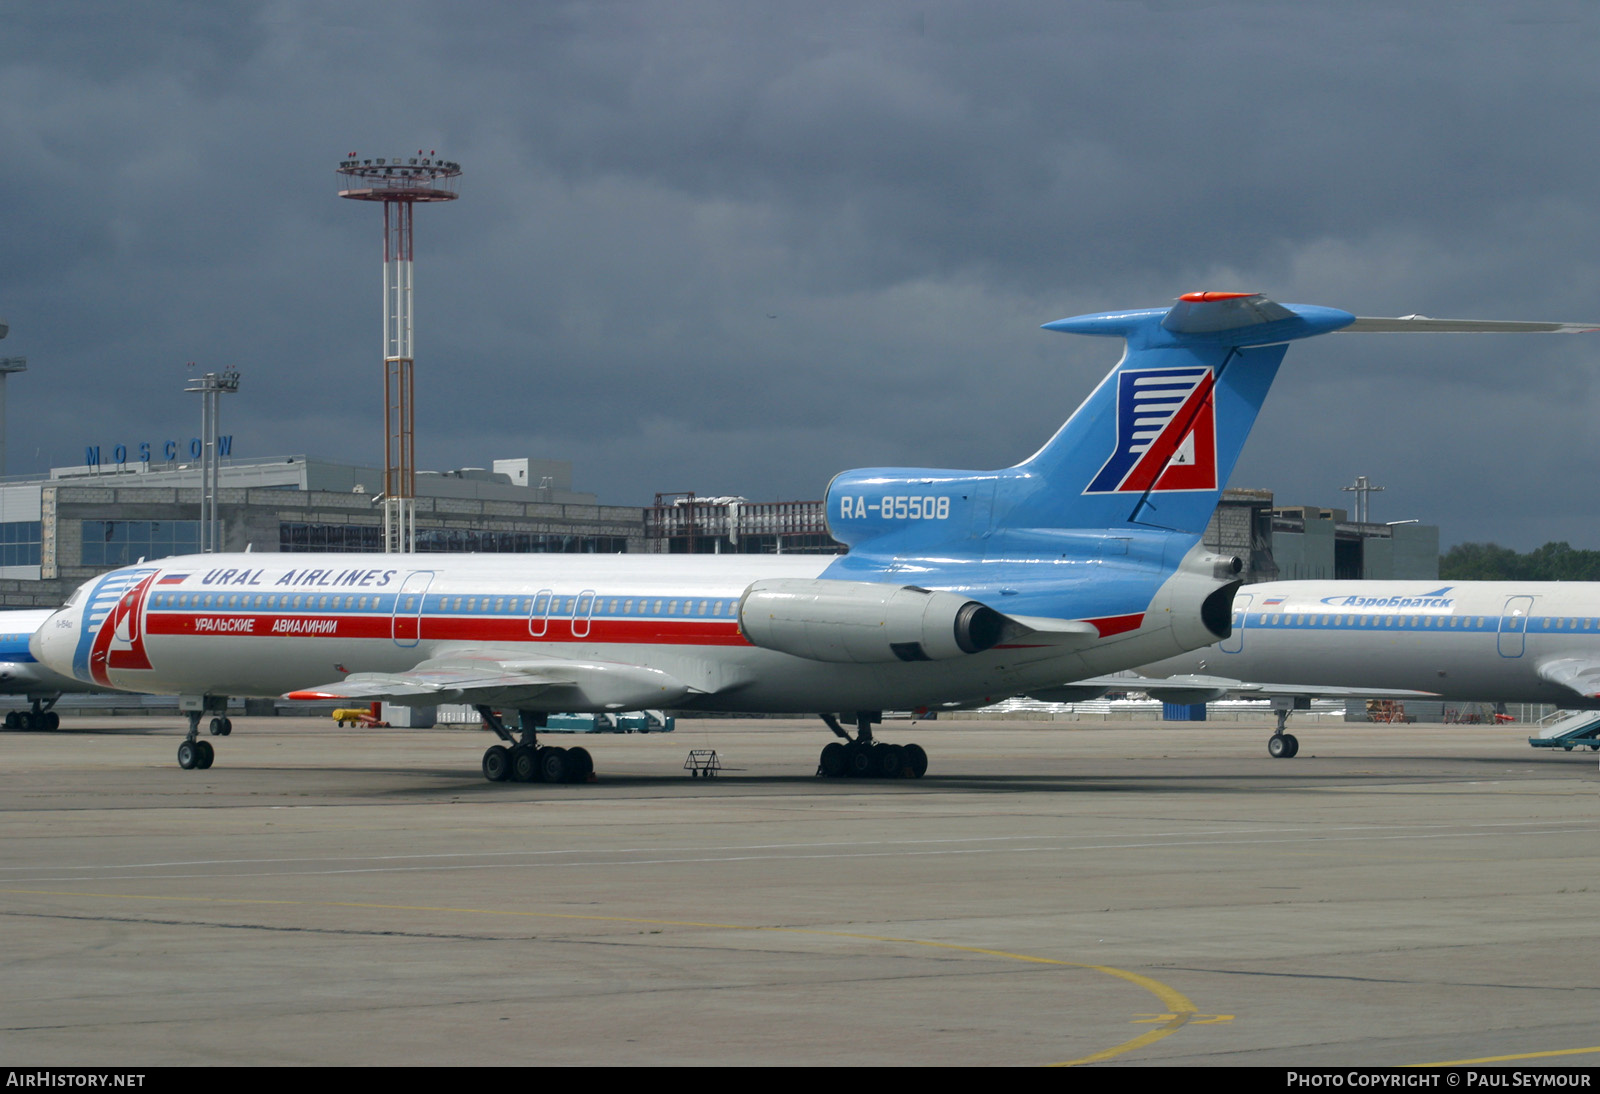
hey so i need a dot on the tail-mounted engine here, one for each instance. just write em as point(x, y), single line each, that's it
point(865, 622)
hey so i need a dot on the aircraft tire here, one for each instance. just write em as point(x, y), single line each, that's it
point(580, 765)
point(524, 765)
point(1282, 746)
point(916, 761)
point(227, 726)
point(553, 764)
point(11, 719)
point(52, 720)
point(1294, 745)
point(859, 762)
point(831, 764)
point(188, 756)
point(207, 755)
point(497, 763)
point(215, 727)
point(888, 761)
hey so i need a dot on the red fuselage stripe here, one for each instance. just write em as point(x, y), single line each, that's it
point(696, 632)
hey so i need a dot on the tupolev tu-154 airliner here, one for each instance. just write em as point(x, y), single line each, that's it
point(960, 587)
point(1472, 641)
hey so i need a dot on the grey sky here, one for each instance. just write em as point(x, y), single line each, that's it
point(738, 247)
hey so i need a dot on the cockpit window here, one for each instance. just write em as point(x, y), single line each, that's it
point(73, 599)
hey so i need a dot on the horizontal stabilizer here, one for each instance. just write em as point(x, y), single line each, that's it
point(1421, 324)
point(1208, 312)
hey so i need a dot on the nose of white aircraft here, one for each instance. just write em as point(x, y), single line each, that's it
point(54, 643)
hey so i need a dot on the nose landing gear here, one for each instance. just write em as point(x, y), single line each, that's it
point(1281, 745)
point(194, 753)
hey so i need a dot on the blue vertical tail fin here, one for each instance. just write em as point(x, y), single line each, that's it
point(1155, 443)
point(1151, 447)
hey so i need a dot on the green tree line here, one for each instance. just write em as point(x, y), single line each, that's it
point(1491, 562)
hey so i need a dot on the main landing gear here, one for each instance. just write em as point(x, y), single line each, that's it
point(526, 761)
point(865, 758)
point(1281, 745)
point(194, 753)
point(40, 717)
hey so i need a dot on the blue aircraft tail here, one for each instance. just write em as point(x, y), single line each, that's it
point(1151, 447)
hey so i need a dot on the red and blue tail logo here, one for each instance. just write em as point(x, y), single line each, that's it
point(1166, 433)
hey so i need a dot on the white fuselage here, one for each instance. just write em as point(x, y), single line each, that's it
point(20, 672)
point(260, 625)
point(1487, 641)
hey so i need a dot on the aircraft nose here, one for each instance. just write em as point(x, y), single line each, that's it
point(52, 644)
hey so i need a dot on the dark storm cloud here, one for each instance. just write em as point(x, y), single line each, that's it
point(738, 247)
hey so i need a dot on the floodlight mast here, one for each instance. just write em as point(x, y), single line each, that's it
point(211, 387)
point(399, 183)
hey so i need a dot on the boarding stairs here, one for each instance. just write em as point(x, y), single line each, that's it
point(1568, 729)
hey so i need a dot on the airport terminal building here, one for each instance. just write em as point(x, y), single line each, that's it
point(60, 530)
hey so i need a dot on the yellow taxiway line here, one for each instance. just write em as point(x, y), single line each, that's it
point(1179, 1010)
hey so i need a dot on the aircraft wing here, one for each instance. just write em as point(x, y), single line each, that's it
point(1189, 686)
point(1575, 673)
point(497, 679)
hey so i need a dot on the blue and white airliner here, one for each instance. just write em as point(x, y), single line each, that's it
point(1467, 641)
point(22, 675)
point(959, 587)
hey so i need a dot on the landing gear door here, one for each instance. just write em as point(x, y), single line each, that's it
point(406, 624)
point(1234, 643)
